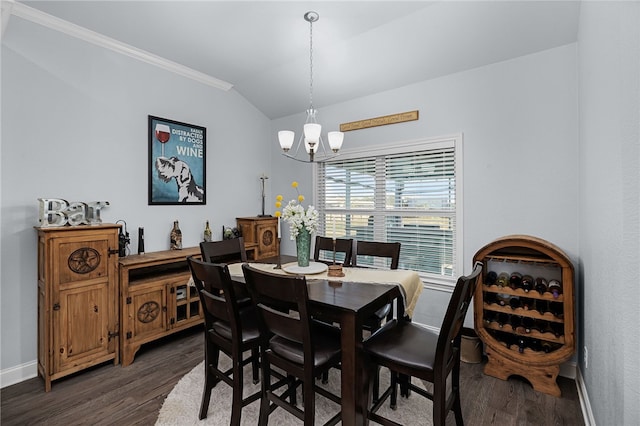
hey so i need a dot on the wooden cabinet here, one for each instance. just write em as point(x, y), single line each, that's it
point(526, 333)
point(260, 236)
point(155, 298)
point(77, 299)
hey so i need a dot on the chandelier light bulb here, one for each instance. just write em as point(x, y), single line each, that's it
point(335, 140)
point(286, 139)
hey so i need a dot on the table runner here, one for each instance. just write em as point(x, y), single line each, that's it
point(409, 281)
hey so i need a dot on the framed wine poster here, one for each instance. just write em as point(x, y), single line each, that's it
point(177, 162)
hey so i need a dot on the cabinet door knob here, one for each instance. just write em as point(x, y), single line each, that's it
point(56, 306)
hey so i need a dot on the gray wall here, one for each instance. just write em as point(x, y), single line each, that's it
point(609, 246)
point(519, 121)
point(74, 126)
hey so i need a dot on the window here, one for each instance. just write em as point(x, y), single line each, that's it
point(409, 193)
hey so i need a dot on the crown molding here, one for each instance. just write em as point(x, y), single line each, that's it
point(25, 12)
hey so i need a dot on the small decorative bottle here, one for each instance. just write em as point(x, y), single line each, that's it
point(176, 237)
point(207, 232)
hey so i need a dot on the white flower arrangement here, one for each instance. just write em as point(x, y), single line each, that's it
point(298, 218)
point(295, 214)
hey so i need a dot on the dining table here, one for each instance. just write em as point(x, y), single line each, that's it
point(349, 301)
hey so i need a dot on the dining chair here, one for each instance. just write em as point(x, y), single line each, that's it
point(390, 252)
point(225, 251)
point(292, 342)
point(323, 250)
point(228, 329)
point(415, 351)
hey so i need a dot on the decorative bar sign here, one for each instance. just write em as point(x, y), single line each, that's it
point(380, 121)
point(59, 212)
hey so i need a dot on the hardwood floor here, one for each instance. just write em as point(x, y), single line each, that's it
point(133, 395)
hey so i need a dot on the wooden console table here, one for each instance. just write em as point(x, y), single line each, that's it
point(155, 298)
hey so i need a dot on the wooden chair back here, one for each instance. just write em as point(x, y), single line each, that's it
point(225, 251)
point(390, 251)
point(323, 251)
point(448, 346)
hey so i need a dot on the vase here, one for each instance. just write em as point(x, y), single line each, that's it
point(303, 247)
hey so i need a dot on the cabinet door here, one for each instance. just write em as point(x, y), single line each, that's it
point(83, 299)
point(82, 332)
point(184, 302)
point(146, 314)
point(267, 241)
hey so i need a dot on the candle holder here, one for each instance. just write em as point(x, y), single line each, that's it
point(335, 270)
point(279, 265)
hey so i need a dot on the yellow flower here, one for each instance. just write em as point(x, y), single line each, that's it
point(277, 213)
point(300, 198)
point(294, 184)
point(278, 204)
point(278, 197)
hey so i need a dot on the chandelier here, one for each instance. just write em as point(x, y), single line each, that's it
point(310, 137)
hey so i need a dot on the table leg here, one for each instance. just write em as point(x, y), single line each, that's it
point(352, 372)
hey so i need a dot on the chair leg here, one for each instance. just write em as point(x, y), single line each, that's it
point(255, 364)
point(236, 404)
point(291, 388)
point(404, 381)
point(439, 404)
point(206, 392)
point(455, 388)
point(264, 399)
point(394, 390)
point(309, 402)
point(211, 357)
point(376, 385)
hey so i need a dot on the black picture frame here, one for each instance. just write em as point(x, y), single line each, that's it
point(177, 162)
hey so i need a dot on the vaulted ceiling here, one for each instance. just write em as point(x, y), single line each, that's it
point(360, 47)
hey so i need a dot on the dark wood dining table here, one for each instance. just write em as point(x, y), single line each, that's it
point(349, 304)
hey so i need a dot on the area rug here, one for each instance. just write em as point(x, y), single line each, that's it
point(182, 405)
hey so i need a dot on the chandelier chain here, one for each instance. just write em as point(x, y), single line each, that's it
point(310, 64)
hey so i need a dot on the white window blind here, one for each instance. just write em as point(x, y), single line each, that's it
point(407, 195)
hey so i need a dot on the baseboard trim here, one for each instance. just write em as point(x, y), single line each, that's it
point(19, 373)
point(583, 396)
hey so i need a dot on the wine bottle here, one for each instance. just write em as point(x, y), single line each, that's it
point(490, 298)
point(528, 324)
point(557, 328)
point(526, 303)
point(207, 233)
point(514, 302)
point(527, 283)
point(489, 316)
point(503, 318)
point(541, 285)
point(491, 278)
point(176, 237)
point(503, 279)
point(555, 288)
point(502, 299)
point(557, 309)
point(515, 280)
point(522, 343)
point(515, 321)
point(542, 306)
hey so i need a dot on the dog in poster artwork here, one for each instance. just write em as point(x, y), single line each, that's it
point(188, 190)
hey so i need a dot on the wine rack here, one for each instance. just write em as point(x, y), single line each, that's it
point(527, 332)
